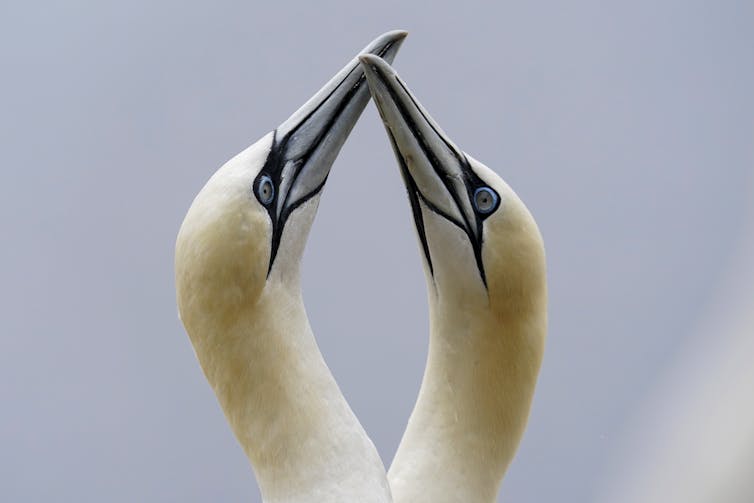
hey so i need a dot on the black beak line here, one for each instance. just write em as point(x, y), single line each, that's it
point(449, 165)
point(305, 146)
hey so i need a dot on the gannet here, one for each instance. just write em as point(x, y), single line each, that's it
point(485, 268)
point(239, 298)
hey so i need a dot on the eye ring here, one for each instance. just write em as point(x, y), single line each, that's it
point(485, 200)
point(265, 190)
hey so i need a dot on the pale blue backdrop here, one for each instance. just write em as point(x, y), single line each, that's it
point(625, 126)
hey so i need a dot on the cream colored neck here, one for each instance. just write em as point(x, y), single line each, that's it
point(287, 411)
point(472, 407)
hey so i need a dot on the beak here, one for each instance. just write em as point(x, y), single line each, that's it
point(305, 146)
point(435, 171)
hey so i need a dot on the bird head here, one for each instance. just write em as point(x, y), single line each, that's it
point(246, 229)
point(481, 246)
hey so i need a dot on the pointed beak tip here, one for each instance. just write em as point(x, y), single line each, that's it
point(372, 62)
point(393, 36)
point(398, 34)
point(388, 43)
point(370, 66)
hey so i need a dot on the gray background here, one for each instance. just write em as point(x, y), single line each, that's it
point(627, 129)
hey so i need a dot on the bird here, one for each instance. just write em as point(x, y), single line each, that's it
point(484, 263)
point(237, 273)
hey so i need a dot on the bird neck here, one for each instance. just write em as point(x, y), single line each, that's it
point(472, 408)
point(285, 408)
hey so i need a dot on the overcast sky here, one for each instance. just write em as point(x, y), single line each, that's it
point(627, 130)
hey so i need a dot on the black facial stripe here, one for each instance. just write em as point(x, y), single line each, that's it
point(433, 161)
point(474, 183)
point(276, 160)
point(470, 178)
point(273, 167)
point(413, 197)
point(280, 160)
point(429, 204)
point(301, 161)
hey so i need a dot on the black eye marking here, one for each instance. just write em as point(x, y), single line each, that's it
point(265, 189)
point(485, 200)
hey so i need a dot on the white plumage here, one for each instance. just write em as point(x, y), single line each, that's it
point(485, 267)
point(238, 283)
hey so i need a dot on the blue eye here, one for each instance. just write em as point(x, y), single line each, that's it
point(485, 200)
point(265, 189)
